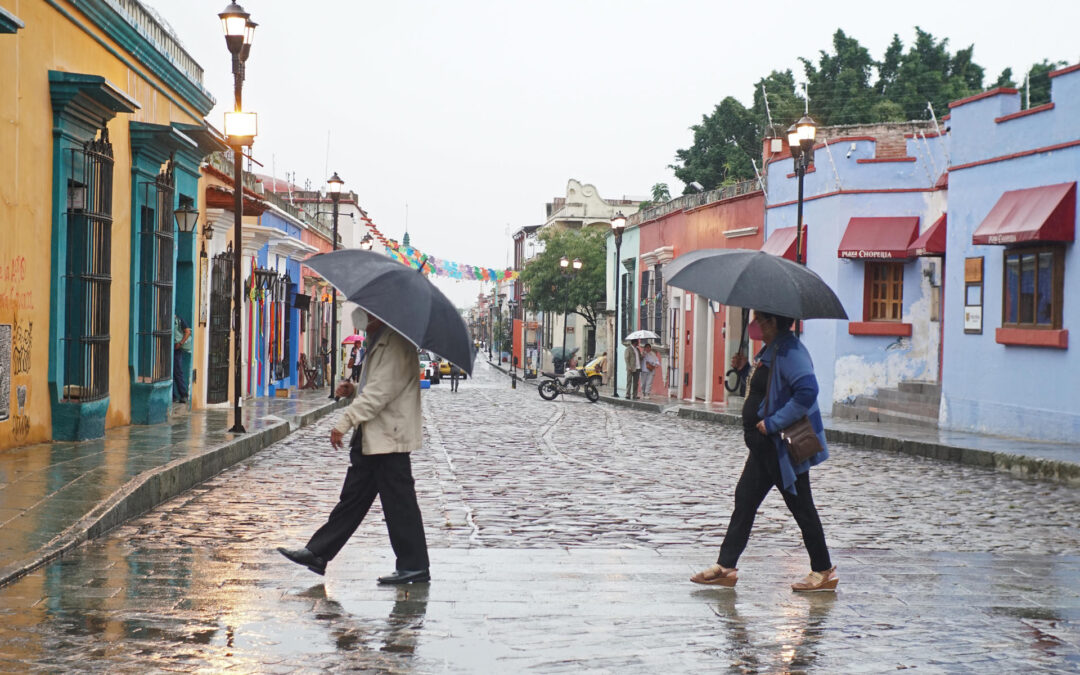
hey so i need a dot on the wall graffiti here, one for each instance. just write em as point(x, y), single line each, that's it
point(13, 297)
point(22, 341)
point(5, 371)
point(20, 427)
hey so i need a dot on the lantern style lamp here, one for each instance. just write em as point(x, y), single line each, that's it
point(618, 225)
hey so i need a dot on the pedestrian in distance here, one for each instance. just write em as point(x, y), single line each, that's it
point(181, 347)
point(782, 389)
point(359, 362)
point(351, 365)
point(386, 418)
point(650, 364)
point(455, 375)
point(632, 357)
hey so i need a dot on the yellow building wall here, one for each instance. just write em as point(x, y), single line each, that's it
point(51, 41)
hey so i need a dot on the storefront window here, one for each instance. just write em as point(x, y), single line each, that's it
point(884, 291)
point(1031, 297)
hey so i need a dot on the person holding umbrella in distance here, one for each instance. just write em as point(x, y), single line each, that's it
point(401, 311)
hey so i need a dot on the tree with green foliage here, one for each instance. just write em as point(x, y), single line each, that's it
point(550, 289)
point(842, 90)
point(661, 193)
point(1039, 81)
point(839, 85)
point(723, 145)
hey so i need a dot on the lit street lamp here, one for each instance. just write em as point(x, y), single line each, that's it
point(618, 224)
point(240, 130)
point(569, 269)
point(801, 142)
point(334, 184)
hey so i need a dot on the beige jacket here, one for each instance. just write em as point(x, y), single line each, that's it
point(389, 406)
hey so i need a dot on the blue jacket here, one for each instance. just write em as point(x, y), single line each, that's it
point(792, 394)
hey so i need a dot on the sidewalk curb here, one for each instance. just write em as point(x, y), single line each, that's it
point(157, 485)
point(1017, 465)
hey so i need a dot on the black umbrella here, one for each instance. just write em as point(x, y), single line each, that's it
point(757, 280)
point(402, 298)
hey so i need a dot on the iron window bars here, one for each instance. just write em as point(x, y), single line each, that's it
point(156, 278)
point(88, 270)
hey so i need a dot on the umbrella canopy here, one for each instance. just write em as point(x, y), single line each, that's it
point(349, 339)
point(557, 353)
point(642, 335)
point(757, 280)
point(400, 297)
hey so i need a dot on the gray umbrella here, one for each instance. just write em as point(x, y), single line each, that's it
point(402, 298)
point(757, 280)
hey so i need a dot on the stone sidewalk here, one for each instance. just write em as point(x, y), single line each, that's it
point(55, 495)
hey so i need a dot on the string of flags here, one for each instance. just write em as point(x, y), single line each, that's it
point(427, 264)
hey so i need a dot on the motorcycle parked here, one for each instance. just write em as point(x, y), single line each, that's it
point(571, 381)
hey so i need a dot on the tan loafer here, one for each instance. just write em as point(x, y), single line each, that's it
point(716, 575)
point(817, 581)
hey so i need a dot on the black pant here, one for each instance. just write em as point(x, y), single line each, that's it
point(454, 377)
point(354, 375)
point(760, 474)
point(180, 392)
point(390, 477)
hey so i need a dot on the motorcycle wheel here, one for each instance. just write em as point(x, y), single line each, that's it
point(591, 392)
point(548, 390)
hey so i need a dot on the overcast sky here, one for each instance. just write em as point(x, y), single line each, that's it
point(475, 114)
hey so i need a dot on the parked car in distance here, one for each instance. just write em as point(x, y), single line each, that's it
point(429, 367)
point(444, 369)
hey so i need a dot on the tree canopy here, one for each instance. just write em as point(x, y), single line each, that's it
point(550, 289)
point(845, 86)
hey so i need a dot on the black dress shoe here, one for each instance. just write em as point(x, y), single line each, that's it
point(405, 577)
point(302, 556)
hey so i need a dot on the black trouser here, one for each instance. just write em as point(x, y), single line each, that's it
point(760, 474)
point(390, 477)
point(454, 377)
point(355, 374)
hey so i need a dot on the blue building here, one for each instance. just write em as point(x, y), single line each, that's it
point(1013, 272)
point(870, 196)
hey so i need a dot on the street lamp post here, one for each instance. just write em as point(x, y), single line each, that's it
point(240, 129)
point(511, 305)
point(569, 269)
point(618, 224)
point(801, 142)
point(334, 184)
point(524, 338)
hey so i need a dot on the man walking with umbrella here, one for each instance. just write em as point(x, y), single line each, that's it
point(386, 418)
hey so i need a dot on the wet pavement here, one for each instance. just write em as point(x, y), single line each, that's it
point(562, 535)
point(54, 495)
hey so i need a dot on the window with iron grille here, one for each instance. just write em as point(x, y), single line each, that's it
point(1033, 287)
point(155, 284)
point(884, 284)
point(88, 270)
point(646, 287)
point(627, 309)
point(658, 300)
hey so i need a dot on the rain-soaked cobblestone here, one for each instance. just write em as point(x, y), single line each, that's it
point(562, 534)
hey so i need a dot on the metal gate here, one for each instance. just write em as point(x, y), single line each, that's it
point(217, 380)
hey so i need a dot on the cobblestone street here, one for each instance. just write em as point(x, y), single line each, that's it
point(562, 536)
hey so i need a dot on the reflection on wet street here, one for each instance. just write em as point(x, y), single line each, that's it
point(557, 550)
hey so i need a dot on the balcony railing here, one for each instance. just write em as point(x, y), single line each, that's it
point(693, 201)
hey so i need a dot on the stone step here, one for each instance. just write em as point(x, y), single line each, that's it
point(920, 387)
point(889, 395)
point(875, 414)
point(916, 407)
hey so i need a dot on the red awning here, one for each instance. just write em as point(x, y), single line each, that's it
point(879, 238)
point(782, 243)
point(1046, 213)
point(931, 242)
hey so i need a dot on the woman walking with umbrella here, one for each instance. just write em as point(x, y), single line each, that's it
point(782, 389)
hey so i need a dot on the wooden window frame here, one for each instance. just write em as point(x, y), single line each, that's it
point(870, 303)
point(1057, 286)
